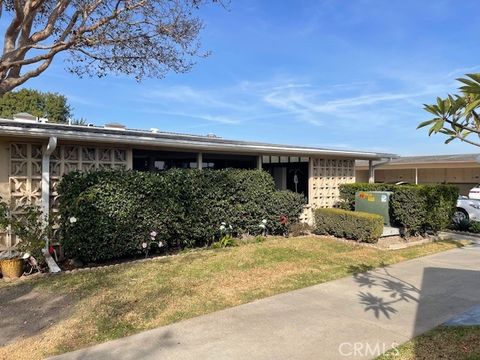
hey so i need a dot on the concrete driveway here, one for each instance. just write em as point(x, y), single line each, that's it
point(355, 317)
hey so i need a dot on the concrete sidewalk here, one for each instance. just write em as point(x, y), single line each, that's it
point(354, 317)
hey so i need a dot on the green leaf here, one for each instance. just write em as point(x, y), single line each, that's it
point(438, 125)
point(475, 77)
point(425, 123)
point(466, 81)
point(441, 105)
point(431, 109)
point(473, 105)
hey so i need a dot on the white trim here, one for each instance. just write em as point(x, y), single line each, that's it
point(195, 143)
point(52, 144)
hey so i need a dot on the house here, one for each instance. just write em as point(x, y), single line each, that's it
point(462, 170)
point(34, 154)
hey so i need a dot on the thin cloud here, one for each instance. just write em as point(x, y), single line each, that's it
point(349, 105)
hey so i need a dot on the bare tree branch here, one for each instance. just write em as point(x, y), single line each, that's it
point(100, 37)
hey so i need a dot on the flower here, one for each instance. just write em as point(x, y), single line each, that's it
point(222, 227)
point(262, 226)
point(223, 223)
point(72, 220)
point(283, 220)
point(144, 245)
point(264, 221)
point(160, 244)
point(153, 234)
point(230, 227)
point(26, 255)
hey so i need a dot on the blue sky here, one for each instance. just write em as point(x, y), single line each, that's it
point(340, 74)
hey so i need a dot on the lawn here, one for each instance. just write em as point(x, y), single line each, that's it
point(443, 342)
point(61, 313)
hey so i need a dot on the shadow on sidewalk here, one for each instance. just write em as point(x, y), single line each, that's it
point(441, 294)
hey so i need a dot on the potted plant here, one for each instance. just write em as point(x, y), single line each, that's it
point(11, 263)
point(27, 225)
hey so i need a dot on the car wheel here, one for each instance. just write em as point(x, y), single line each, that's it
point(460, 215)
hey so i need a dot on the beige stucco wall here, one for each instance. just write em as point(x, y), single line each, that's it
point(464, 178)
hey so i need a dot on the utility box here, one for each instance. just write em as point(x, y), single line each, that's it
point(374, 202)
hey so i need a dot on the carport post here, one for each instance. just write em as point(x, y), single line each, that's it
point(259, 162)
point(416, 176)
point(200, 161)
point(371, 172)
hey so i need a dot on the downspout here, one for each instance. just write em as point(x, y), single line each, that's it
point(372, 167)
point(52, 145)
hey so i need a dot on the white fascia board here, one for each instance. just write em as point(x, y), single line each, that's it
point(187, 144)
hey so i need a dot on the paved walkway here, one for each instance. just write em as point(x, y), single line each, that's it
point(354, 317)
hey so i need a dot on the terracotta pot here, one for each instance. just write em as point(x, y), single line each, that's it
point(11, 268)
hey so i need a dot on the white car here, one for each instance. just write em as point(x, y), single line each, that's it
point(467, 209)
point(474, 193)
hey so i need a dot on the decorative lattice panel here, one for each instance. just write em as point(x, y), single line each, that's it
point(306, 216)
point(67, 158)
point(25, 179)
point(325, 178)
point(25, 175)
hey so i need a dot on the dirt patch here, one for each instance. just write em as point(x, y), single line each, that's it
point(398, 242)
point(25, 311)
point(387, 242)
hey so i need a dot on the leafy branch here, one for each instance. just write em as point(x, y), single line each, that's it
point(457, 116)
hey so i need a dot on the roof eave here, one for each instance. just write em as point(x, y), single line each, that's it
point(184, 144)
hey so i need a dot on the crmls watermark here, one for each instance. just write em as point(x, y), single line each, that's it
point(363, 349)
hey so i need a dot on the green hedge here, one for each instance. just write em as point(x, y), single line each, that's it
point(417, 208)
point(115, 211)
point(356, 225)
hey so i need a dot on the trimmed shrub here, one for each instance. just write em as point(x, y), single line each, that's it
point(284, 203)
point(417, 208)
point(409, 208)
point(474, 227)
point(108, 214)
point(467, 226)
point(354, 225)
point(441, 203)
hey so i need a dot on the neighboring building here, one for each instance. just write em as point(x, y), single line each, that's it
point(462, 170)
point(35, 154)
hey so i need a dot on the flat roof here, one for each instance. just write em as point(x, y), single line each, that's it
point(160, 139)
point(428, 160)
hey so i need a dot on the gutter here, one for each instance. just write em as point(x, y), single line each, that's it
point(384, 162)
point(372, 167)
point(52, 145)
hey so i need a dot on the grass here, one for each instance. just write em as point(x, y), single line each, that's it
point(443, 342)
point(119, 301)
